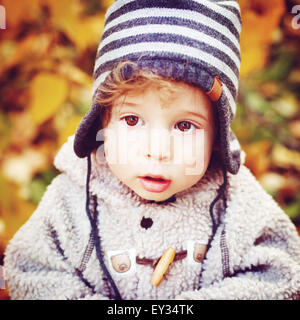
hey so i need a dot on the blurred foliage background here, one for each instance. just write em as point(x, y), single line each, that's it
point(47, 54)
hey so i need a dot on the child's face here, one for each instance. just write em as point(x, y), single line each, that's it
point(153, 133)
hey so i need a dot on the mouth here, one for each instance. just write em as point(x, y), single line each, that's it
point(154, 183)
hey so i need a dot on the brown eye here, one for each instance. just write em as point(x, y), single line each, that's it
point(131, 120)
point(184, 125)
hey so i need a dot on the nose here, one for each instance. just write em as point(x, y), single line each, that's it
point(158, 146)
point(158, 157)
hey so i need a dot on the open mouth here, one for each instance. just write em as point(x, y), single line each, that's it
point(154, 179)
point(154, 184)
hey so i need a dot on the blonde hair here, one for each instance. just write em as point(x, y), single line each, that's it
point(116, 85)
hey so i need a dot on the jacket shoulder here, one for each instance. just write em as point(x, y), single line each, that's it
point(253, 212)
point(58, 221)
point(246, 191)
point(60, 199)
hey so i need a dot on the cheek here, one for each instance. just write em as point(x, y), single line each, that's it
point(193, 151)
point(121, 144)
point(120, 171)
point(111, 143)
point(189, 146)
point(209, 142)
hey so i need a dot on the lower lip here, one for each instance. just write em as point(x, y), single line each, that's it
point(154, 186)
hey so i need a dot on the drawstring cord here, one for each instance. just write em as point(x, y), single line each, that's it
point(95, 234)
point(221, 192)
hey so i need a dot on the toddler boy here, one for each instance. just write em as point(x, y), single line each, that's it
point(167, 209)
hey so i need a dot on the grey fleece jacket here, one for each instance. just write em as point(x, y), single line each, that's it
point(254, 254)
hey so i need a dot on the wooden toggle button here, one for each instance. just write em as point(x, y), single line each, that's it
point(162, 266)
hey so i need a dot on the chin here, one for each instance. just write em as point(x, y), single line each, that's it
point(159, 196)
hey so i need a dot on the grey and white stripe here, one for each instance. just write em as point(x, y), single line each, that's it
point(171, 37)
point(194, 18)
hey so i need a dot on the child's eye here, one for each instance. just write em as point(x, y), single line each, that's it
point(131, 120)
point(184, 126)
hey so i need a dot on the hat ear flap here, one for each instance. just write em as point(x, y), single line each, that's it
point(86, 135)
point(229, 146)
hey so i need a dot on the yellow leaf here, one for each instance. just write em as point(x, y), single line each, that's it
point(64, 13)
point(20, 10)
point(107, 3)
point(2, 227)
point(19, 51)
point(294, 127)
point(286, 158)
point(86, 32)
point(253, 58)
point(48, 92)
point(73, 73)
point(287, 105)
point(69, 129)
point(272, 181)
point(20, 168)
point(18, 214)
point(67, 16)
point(257, 159)
point(24, 129)
point(260, 20)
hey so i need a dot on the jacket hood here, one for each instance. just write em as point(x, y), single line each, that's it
point(67, 162)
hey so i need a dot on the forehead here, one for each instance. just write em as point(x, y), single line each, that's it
point(169, 95)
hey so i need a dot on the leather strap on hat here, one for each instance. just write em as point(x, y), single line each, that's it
point(216, 91)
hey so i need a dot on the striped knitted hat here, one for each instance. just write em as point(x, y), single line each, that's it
point(194, 41)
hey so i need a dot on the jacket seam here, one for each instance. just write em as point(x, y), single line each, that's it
point(91, 243)
point(87, 254)
point(54, 237)
point(224, 254)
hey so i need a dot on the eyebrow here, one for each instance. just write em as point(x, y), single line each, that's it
point(130, 104)
point(196, 114)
